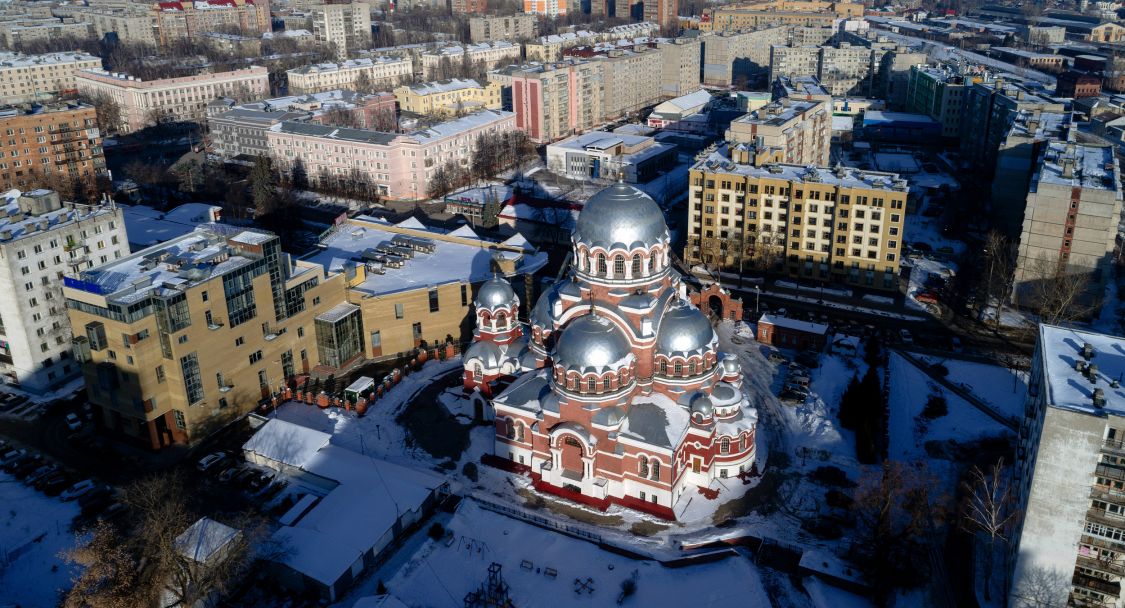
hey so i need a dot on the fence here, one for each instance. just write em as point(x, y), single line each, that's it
point(539, 520)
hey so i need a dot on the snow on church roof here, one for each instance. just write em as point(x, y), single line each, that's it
point(794, 324)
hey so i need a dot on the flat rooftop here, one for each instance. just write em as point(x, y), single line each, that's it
point(847, 177)
point(444, 86)
point(1068, 388)
point(19, 60)
point(351, 64)
point(777, 113)
point(1090, 167)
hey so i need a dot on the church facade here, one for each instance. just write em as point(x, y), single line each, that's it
point(617, 393)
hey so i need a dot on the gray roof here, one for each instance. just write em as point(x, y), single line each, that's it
point(684, 331)
point(592, 343)
point(495, 293)
point(648, 422)
point(621, 216)
point(341, 133)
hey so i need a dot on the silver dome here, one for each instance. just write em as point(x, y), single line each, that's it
point(683, 330)
point(495, 293)
point(701, 404)
point(731, 365)
point(591, 343)
point(621, 216)
point(487, 353)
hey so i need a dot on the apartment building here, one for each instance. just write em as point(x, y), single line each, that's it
point(399, 165)
point(551, 48)
point(505, 27)
point(630, 79)
point(845, 69)
point(556, 100)
point(810, 36)
point(987, 113)
point(41, 238)
point(892, 73)
point(468, 7)
point(343, 27)
point(40, 143)
point(1017, 161)
point(938, 93)
point(664, 13)
point(26, 78)
point(1071, 220)
point(1069, 479)
point(179, 339)
point(808, 13)
point(807, 88)
point(144, 102)
point(186, 19)
point(680, 67)
point(731, 56)
point(13, 33)
point(492, 54)
point(446, 97)
point(838, 225)
point(793, 61)
point(129, 23)
point(547, 8)
point(379, 72)
point(786, 131)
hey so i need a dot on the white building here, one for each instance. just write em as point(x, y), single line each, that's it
point(1070, 474)
point(602, 155)
point(491, 53)
point(385, 72)
point(31, 77)
point(41, 241)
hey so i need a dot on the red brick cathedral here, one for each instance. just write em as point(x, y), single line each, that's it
point(620, 392)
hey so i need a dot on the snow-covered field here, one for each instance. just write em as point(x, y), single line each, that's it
point(909, 391)
point(1003, 388)
point(897, 162)
point(814, 425)
point(34, 532)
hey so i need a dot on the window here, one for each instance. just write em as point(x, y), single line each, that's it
point(376, 340)
point(433, 300)
point(398, 311)
point(724, 446)
point(417, 331)
point(182, 339)
point(193, 385)
point(678, 368)
point(464, 294)
point(255, 357)
point(592, 385)
point(636, 269)
point(160, 374)
point(643, 466)
point(239, 341)
point(180, 422)
point(601, 265)
point(655, 470)
point(606, 384)
point(618, 267)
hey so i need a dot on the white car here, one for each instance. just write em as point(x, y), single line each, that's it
point(72, 422)
point(77, 490)
point(210, 460)
point(906, 337)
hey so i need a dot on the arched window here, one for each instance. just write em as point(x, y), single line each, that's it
point(601, 264)
point(573, 384)
point(618, 267)
point(724, 446)
point(652, 262)
point(644, 466)
point(662, 367)
point(636, 266)
point(745, 439)
point(478, 373)
point(509, 429)
point(679, 368)
point(694, 367)
point(592, 385)
point(519, 431)
point(606, 384)
point(656, 470)
point(501, 321)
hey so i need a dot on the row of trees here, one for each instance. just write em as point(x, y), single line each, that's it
point(492, 154)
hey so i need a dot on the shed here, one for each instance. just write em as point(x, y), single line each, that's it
point(357, 389)
point(784, 332)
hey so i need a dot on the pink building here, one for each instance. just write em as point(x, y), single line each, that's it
point(399, 164)
point(556, 100)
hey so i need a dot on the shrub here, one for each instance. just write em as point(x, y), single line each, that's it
point(936, 407)
point(470, 470)
point(436, 531)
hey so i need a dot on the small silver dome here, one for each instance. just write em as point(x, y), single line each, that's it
point(731, 365)
point(495, 293)
point(683, 330)
point(487, 353)
point(621, 216)
point(591, 343)
point(701, 405)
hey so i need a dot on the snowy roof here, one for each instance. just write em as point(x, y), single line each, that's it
point(841, 176)
point(880, 116)
point(691, 100)
point(337, 312)
point(147, 226)
point(19, 60)
point(204, 538)
point(1091, 167)
point(777, 113)
point(350, 64)
point(287, 443)
point(1067, 388)
point(444, 86)
point(842, 123)
point(15, 224)
point(794, 324)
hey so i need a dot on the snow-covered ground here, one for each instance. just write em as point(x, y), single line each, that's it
point(34, 532)
point(909, 431)
point(548, 569)
point(928, 230)
point(827, 596)
point(814, 425)
point(1005, 389)
point(921, 272)
point(897, 162)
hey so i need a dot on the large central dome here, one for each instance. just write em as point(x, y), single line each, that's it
point(684, 330)
point(592, 343)
point(621, 217)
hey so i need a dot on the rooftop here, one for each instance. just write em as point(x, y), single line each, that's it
point(147, 226)
point(443, 130)
point(203, 539)
point(19, 60)
point(1067, 388)
point(444, 86)
point(350, 64)
point(777, 113)
point(847, 177)
point(794, 324)
point(18, 220)
point(1041, 125)
point(473, 48)
point(1077, 165)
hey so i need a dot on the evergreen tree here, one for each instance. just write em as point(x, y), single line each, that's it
point(262, 187)
point(848, 400)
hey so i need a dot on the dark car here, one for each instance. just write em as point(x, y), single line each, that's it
point(42, 483)
point(95, 494)
point(28, 466)
point(96, 504)
point(56, 485)
point(808, 359)
point(41, 473)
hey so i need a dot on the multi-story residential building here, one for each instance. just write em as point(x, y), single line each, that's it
point(601, 155)
point(987, 114)
point(892, 73)
point(841, 225)
point(1071, 220)
point(378, 71)
point(808, 13)
point(844, 69)
point(33, 77)
point(938, 93)
point(555, 100)
point(679, 74)
point(1046, 62)
point(129, 22)
point(184, 19)
point(807, 88)
point(179, 339)
point(793, 61)
point(343, 27)
point(1069, 479)
point(399, 165)
point(730, 56)
point(664, 13)
point(810, 36)
point(551, 48)
point(1017, 160)
point(301, 37)
point(787, 131)
point(492, 54)
point(41, 238)
point(1075, 85)
point(145, 102)
point(41, 143)
point(630, 79)
point(16, 33)
point(448, 97)
point(233, 44)
point(548, 8)
point(505, 27)
point(468, 7)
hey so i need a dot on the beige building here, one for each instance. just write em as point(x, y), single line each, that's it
point(840, 225)
point(1017, 160)
point(30, 77)
point(844, 69)
point(503, 27)
point(554, 100)
point(788, 131)
point(189, 19)
point(130, 22)
point(448, 97)
point(629, 80)
point(550, 48)
point(1070, 222)
point(491, 54)
point(809, 13)
point(179, 339)
point(343, 27)
point(144, 102)
point(793, 61)
point(681, 65)
point(380, 72)
point(13, 33)
point(734, 57)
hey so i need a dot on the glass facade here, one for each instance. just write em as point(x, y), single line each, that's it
point(193, 384)
point(339, 340)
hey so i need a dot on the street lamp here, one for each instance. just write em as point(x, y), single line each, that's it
point(757, 292)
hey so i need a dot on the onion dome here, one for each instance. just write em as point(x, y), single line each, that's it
point(495, 293)
point(731, 366)
point(701, 407)
point(684, 330)
point(621, 217)
point(592, 343)
point(486, 352)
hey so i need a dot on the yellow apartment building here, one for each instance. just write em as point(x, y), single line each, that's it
point(446, 97)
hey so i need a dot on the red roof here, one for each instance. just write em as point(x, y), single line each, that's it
point(171, 6)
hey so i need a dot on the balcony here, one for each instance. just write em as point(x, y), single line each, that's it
point(1097, 584)
point(1110, 472)
point(1114, 446)
point(1115, 568)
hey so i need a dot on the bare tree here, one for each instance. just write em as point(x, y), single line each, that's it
point(999, 265)
point(988, 510)
point(110, 574)
point(340, 117)
point(1057, 293)
point(107, 113)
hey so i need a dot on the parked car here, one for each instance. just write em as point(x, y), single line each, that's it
point(230, 473)
point(808, 359)
point(111, 512)
point(78, 490)
point(12, 455)
point(27, 465)
point(96, 504)
point(95, 494)
point(42, 472)
point(210, 460)
point(72, 422)
point(778, 358)
point(56, 485)
point(904, 335)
